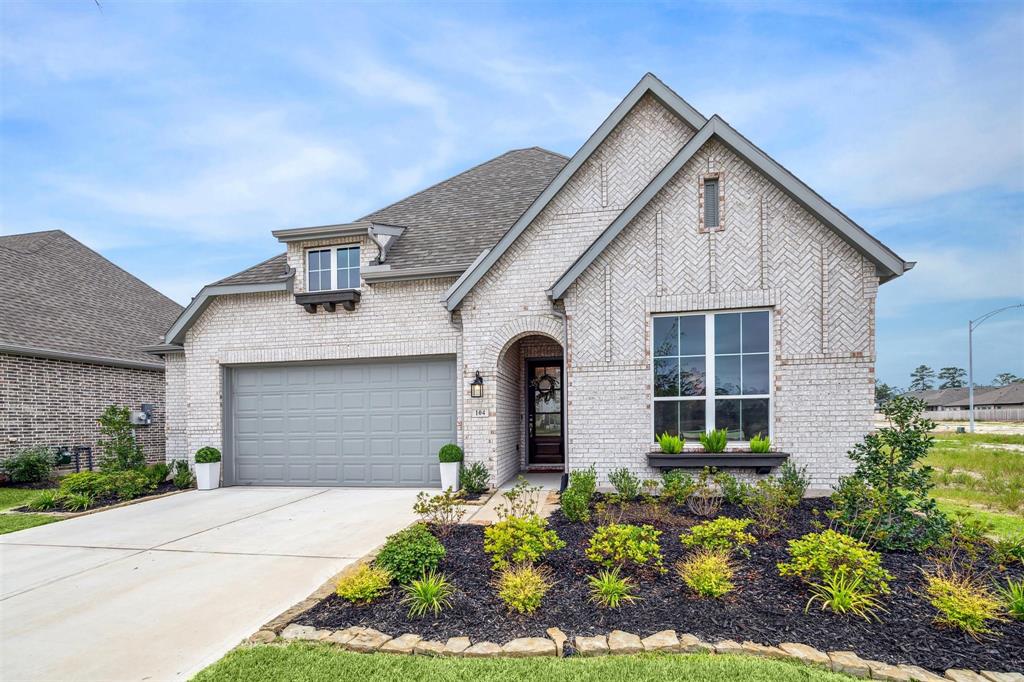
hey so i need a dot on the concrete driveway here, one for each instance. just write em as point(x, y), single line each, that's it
point(159, 590)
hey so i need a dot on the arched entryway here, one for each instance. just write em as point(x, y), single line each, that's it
point(530, 406)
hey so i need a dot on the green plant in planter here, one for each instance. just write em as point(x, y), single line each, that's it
point(207, 455)
point(760, 444)
point(450, 453)
point(670, 445)
point(714, 441)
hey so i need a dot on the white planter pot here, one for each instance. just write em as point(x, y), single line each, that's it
point(208, 475)
point(450, 475)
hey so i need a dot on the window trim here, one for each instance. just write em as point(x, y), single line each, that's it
point(334, 266)
point(709, 396)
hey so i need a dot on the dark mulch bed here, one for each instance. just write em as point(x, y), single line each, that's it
point(764, 608)
point(100, 502)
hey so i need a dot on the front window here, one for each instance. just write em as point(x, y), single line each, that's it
point(336, 268)
point(726, 351)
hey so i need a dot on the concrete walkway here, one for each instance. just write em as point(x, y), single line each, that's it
point(161, 589)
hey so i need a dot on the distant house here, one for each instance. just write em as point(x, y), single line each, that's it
point(940, 398)
point(72, 325)
point(985, 398)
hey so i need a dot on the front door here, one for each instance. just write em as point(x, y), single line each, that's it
point(544, 404)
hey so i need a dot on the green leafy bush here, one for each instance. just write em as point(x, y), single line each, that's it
point(610, 590)
point(1013, 598)
point(677, 486)
point(76, 502)
point(794, 481)
point(714, 441)
point(523, 587)
point(45, 500)
point(575, 500)
point(769, 503)
point(722, 533)
point(760, 443)
point(622, 545)
point(670, 445)
point(127, 485)
point(708, 572)
point(410, 553)
point(733, 490)
point(816, 557)
point(962, 602)
point(432, 592)
point(704, 499)
point(584, 480)
point(182, 475)
point(844, 593)
point(474, 478)
point(157, 473)
point(444, 510)
point(207, 455)
point(450, 453)
point(32, 465)
point(364, 584)
point(887, 499)
point(521, 500)
point(117, 440)
point(626, 484)
point(517, 540)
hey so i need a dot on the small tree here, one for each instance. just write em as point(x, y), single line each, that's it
point(884, 392)
point(120, 449)
point(887, 499)
point(952, 377)
point(1006, 378)
point(922, 378)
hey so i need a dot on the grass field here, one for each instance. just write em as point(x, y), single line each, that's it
point(16, 497)
point(322, 662)
point(981, 474)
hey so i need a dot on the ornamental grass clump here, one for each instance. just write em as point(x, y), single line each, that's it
point(364, 584)
point(518, 540)
point(723, 533)
point(963, 602)
point(669, 444)
point(410, 553)
point(522, 588)
point(845, 593)
point(610, 590)
point(708, 572)
point(626, 546)
point(430, 593)
point(1013, 598)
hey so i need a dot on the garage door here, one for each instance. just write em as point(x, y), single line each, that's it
point(376, 423)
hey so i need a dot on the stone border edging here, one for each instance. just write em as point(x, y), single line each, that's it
point(367, 640)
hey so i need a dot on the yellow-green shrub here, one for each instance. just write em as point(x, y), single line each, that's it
point(722, 533)
point(618, 544)
point(817, 557)
point(364, 584)
point(962, 602)
point(707, 572)
point(518, 540)
point(523, 587)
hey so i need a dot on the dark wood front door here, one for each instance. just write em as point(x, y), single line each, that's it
point(544, 406)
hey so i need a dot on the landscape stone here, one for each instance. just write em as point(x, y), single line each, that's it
point(401, 645)
point(296, 631)
point(591, 646)
point(807, 655)
point(428, 647)
point(455, 646)
point(620, 642)
point(849, 663)
point(483, 650)
point(525, 647)
point(919, 674)
point(366, 641)
point(961, 675)
point(691, 644)
point(263, 637)
point(345, 636)
point(885, 671)
point(728, 646)
point(1002, 677)
point(559, 638)
point(755, 649)
point(666, 640)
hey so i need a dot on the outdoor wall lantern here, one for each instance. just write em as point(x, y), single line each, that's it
point(476, 387)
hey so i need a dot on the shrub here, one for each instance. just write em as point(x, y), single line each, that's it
point(91, 483)
point(523, 587)
point(364, 584)
point(962, 602)
point(760, 443)
point(844, 593)
point(887, 498)
point(207, 455)
point(76, 501)
point(182, 476)
point(704, 500)
point(714, 441)
point(410, 553)
point(768, 502)
point(610, 590)
point(1009, 550)
point(127, 485)
point(816, 557)
point(584, 480)
point(521, 500)
point(1013, 598)
point(733, 490)
point(794, 481)
point(621, 544)
point(627, 486)
point(29, 466)
point(517, 540)
point(443, 510)
point(575, 505)
point(677, 486)
point(432, 592)
point(474, 478)
point(157, 473)
point(120, 449)
point(670, 445)
point(450, 453)
point(722, 533)
point(707, 572)
point(45, 500)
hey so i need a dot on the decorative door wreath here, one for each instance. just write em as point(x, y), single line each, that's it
point(545, 386)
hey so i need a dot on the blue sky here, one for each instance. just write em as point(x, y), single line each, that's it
point(173, 137)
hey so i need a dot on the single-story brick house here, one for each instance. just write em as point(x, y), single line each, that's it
point(546, 313)
point(72, 329)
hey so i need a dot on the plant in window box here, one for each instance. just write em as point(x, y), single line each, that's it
point(714, 441)
point(670, 445)
point(450, 457)
point(760, 444)
point(207, 468)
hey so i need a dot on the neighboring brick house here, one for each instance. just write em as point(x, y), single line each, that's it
point(72, 328)
point(587, 301)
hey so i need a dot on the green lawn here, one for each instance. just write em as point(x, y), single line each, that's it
point(16, 497)
point(313, 662)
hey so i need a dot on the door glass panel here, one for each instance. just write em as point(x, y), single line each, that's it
point(547, 424)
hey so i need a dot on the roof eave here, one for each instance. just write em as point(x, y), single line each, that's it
point(70, 356)
point(176, 334)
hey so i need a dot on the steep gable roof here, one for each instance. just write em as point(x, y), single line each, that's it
point(62, 299)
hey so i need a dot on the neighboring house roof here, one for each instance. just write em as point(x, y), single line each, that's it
point(1000, 395)
point(940, 397)
point(63, 300)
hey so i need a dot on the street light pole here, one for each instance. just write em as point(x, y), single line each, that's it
point(971, 326)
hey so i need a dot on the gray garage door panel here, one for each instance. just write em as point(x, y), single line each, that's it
point(356, 424)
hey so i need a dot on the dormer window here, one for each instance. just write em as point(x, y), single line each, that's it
point(332, 269)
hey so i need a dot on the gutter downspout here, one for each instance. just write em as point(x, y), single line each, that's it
point(565, 369)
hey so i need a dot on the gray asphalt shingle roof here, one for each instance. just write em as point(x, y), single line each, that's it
point(59, 295)
point(451, 222)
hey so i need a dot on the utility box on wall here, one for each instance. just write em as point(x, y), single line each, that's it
point(143, 417)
